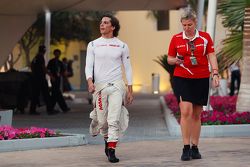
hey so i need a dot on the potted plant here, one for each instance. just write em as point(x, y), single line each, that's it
point(163, 61)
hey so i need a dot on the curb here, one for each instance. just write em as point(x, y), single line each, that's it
point(42, 143)
point(206, 130)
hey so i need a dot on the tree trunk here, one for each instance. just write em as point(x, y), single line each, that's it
point(243, 101)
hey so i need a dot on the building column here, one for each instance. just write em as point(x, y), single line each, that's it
point(47, 34)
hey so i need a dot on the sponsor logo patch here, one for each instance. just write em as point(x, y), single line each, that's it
point(181, 46)
point(114, 45)
point(100, 101)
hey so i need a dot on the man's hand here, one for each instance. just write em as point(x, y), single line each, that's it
point(52, 78)
point(129, 98)
point(129, 95)
point(91, 86)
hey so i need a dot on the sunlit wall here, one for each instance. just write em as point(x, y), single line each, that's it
point(146, 43)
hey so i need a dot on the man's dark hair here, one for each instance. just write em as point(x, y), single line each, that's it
point(114, 22)
point(57, 52)
point(42, 49)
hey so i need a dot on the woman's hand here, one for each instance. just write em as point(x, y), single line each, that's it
point(179, 60)
point(175, 60)
point(216, 81)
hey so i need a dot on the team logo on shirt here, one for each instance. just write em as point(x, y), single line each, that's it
point(101, 45)
point(180, 46)
point(114, 45)
point(199, 45)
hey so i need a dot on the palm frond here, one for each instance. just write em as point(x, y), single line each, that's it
point(163, 61)
point(232, 50)
point(233, 12)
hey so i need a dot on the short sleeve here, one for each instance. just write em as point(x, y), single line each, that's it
point(172, 49)
point(210, 45)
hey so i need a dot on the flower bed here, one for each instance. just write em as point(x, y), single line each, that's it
point(9, 133)
point(223, 113)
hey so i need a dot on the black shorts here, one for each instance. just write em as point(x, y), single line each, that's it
point(192, 90)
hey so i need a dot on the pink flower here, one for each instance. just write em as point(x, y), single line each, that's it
point(1, 137)
point(224, 110)
point(42, 135)
point(8, 133)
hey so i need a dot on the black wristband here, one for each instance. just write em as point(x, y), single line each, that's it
point(215, 74)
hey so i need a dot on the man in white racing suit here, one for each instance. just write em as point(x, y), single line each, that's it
point(105, 58)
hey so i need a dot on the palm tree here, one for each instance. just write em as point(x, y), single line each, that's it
point(163, 61)
point(236, 15)
point(243, 102)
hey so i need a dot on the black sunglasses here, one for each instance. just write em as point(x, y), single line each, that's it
point(192, 46)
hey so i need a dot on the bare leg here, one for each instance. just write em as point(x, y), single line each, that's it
point(196, 124)
point(186, 121)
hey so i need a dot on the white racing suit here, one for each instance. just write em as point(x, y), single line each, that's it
point(109, 117)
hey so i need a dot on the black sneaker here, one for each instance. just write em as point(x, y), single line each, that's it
point(195, 154)
point(111, 156)
point(34, 113)
point(53, 112)
point(66, 110)
point(106, 148)
point(185, 155)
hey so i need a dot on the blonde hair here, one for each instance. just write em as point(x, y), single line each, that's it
point(188, 14)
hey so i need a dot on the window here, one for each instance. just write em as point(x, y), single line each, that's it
point(163, 20)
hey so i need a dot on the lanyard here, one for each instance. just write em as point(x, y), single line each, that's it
point(192, 47)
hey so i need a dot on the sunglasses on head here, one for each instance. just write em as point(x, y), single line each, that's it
point(192, 46)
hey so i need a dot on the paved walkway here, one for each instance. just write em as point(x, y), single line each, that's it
point(146, 119)
point(225, 152)
point(146, 143)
